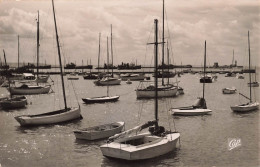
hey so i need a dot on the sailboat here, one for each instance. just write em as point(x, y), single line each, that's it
point(12, 102)
point(108, 80)
point(91, 75)
point(250, 106)
point(165, 90)
point(52, 117)
point(139, 146)
point(28, 89)
point(102, 99)
point(231, 73)
point(255, 83)
point(200, 107)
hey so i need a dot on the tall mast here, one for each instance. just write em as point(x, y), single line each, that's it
point(204, 70)
point(112, 52)
point(156, 68)
point(38, 45)
point(107, 63)
point(163, 46)
point(18, 51)
point(99, 51)
point(58, 45)
point(168, 58)
point(249, 68)
point(233, 58)
point(7, 73)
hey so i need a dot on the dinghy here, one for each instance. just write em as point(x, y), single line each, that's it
point(26, 89)
point(200, 107)
point(52, 117)
point(101, 99)
point(132, 145)
point(100, 131)
point(229, 90)
point(250, 106)
point(12, 102)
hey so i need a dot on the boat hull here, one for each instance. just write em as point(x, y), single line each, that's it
point(107, 82)
point(253, 84)
point(49, 118)
point(99, 132)
point(100, 99)
point(245, 107)
point(16, 102)
point(29, 90)
point(228, 91)
point(132, 78)
point(171, 92)
point(158, 147)
point(43, 79)
point(190, 112)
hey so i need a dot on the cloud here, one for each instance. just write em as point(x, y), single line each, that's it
point(224, 24)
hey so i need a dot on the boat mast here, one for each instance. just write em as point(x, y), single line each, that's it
point(58, 45)
point(38, 45)
point(107, 65)
point(156, 69)
point(111, 52)
point(168, 58)
point(163, 47)
point(7, 75)
point(249, 68)
point(232, 59)
point(18, 52)
point(99, 51)
point(204, 70)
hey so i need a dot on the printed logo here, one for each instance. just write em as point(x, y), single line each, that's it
point(233, 143)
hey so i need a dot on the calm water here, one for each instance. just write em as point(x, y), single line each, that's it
point(204, 139)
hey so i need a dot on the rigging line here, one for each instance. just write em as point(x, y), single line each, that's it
point(169, 34)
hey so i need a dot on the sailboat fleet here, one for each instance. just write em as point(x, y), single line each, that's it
point(132, 144)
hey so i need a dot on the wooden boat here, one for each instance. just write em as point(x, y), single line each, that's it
point(230, 74)
point(240, 77)
point(52, 117)
point(73, 76)
point(229, 90)
point(108, 80)
point(250, 106)
point(128, 81)
point(49, 117)
point(132, 77)
point(200, 106)
point(12, 102)
point(101, 99)
point(90, 76)
point(142, 146)
point(26, 89)
point(100, 131)
point(163, 91)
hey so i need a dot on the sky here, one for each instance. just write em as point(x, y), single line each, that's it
point(223, 24)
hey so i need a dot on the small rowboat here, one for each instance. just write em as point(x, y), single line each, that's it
point(100, 131)
point(14, 102)
point(102, 99)
point(229, 90)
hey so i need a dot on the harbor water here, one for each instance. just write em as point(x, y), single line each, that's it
point(205, 140)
